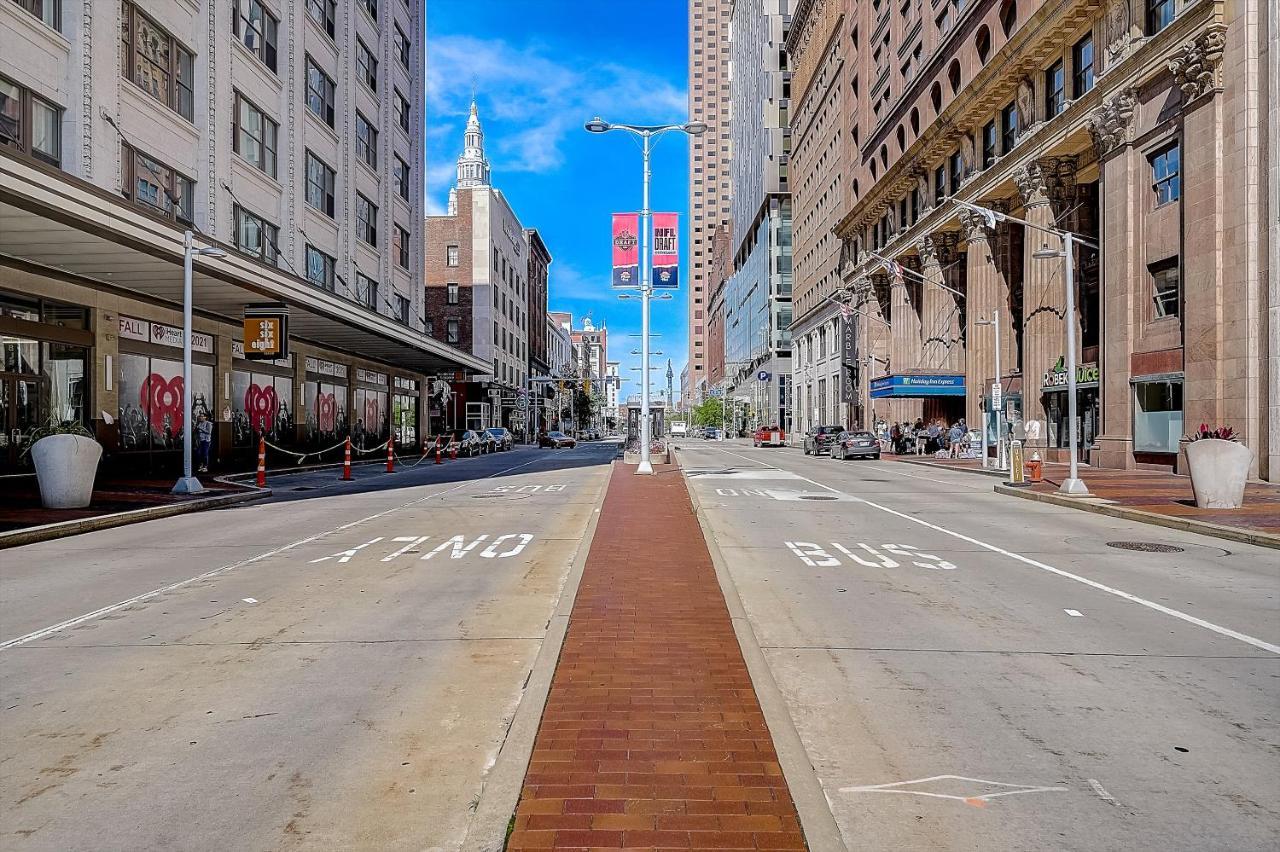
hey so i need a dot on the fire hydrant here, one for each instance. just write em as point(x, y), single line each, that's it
point(1035, 468)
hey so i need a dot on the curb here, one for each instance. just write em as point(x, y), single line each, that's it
point(500, 793)
point(816, 820)
point(63, 529)
point(1000, 474)
point(1243, 536)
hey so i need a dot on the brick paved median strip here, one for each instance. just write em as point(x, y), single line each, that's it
point(652, 737)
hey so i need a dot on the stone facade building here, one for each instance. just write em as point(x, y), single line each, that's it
point(288, 135)
point(1136, 124)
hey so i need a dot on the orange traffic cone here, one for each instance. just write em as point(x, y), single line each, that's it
point(391, 457)
point(346, 462)
point(262, 462)
point(453, 450)
point(439, 453)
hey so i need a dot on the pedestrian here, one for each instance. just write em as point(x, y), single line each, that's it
point(895, 438)
point(932, 434)
point(957, 437)
point(204, 441)
point(921, 436)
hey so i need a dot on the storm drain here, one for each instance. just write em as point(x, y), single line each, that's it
point(1145, 546)
point(304, 488)
point(817, 497)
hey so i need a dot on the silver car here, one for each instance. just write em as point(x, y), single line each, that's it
point(858, 445)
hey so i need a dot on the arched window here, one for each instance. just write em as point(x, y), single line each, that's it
point(902, 138)
point(935, 95)
point(884, 156)
point(982, 41)
point(953, 76)
point(1008, 17)
point(915, 122)
point(873, 169)
point(855, 189)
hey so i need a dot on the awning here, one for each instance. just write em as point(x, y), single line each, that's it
point(914, 386)
point(56, 221)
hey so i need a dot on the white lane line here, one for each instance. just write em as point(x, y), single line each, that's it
point(1074, 613)
point(1102, 792)
point(145, 596)
point(1190, 619)
point(792, 472)
point(250, 600)
point(929, 478)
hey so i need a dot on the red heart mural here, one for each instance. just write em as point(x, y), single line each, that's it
point(262, 405)
point(326, 411)
point(163, 402)
point(372, 414)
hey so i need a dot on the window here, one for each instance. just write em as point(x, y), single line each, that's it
point(451, 294)
point(402, 47)
point(324, 13)
point(1165, 176)
point(451, 331)
point(256, 27)
point(1157, 416)
point(402, 309)
point(49, 11)
point(255, 236)
point(319, 185)
point(1054, 93)
point(158, 64)
point(1082, 66)
point(402, 179)
point(320, 92)
point(957, 172)
point(367, 291)
point(156, 187)
point(366, 66)
point(1008, 128)
point(431, 327)
point(400, 246)
point(451, 256)
point(254, 135)
point(366, 141)
point(989, 141)
point(1166, 289)
point(320, 268)
point(403, 112)
point(939, 184)
point(1159, 15)
point(30, 123)
point(370, 6)
point(366, 220)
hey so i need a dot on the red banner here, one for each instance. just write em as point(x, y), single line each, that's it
point(666, 251)
point(626, 250)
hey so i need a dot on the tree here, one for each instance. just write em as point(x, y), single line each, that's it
point(584, 407)
point(709, 412)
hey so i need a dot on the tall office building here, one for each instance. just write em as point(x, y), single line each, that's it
point(286, 133)
point(709, 158)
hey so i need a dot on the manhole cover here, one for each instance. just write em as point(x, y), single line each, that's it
point(817, 497)
point(1145, 546)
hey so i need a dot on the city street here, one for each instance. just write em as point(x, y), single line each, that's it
point(968, 671)
point(334, 669)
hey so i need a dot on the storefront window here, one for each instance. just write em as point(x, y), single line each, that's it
point(326, 405)
point(1157, 416)
point(370, 426)
point(151, 394)
point(261, 404)
point(65, 382)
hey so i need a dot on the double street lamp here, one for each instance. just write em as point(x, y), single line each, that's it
point(1072, 486)
point(648, 134)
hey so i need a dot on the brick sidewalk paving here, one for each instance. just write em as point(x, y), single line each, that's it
point(652, 737)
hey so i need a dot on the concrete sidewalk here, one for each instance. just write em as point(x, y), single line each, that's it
point(1164, 499)
point(652, 736)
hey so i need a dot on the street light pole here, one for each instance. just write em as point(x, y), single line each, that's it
point(994, 322)
point(188, 484)
point(1072, 485)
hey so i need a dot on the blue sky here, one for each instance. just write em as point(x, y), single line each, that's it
point(539, 71)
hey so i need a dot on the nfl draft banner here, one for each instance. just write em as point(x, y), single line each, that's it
point(626, 250)
point(666, 251)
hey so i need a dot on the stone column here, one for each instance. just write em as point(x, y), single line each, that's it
point(905, 341)
point(942, 350)
point(1047, 187)
point(982, 297)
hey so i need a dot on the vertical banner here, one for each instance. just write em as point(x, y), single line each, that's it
point(626, 249)
point(666, 251)
point(848, 359)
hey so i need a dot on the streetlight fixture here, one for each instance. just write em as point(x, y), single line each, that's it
point(1072, 486)
point(648, 133)
point(994, 322)
point(188, 484)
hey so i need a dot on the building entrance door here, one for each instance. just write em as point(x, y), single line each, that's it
point(19, 417)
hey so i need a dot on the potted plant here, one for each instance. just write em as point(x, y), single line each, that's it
point(66, 459)
point(1219, 466)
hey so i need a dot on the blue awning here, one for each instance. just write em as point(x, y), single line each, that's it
point(889, 387)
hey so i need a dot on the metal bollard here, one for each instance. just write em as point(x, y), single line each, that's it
point(346, 461)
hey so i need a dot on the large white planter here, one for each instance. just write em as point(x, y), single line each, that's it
point(65, 468)
point(1219, 470)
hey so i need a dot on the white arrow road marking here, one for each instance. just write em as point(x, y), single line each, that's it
point(1074, 613)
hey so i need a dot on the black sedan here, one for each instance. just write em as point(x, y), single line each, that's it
point(556, 440)
point(502, 438)
point(819, 439)
point(857, 445)
point(468, 442)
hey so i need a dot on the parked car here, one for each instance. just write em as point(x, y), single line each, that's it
point(488, 443)
point(468, 442)
point(502, 437)
point(819, 439)
point(859, 445)
point(769, 436)
point(556, 440)
point(711, 433)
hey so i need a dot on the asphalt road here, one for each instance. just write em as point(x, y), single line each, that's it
point(971, 671)
point(334, 669)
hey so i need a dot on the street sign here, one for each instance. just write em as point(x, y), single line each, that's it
point(763, 375)
point(717, 392)
point(266, 332)
point(995, 396)
point(522, 402)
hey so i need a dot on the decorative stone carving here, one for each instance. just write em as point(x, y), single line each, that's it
point(1196, 69)
point(938, 247)
point(1116, 32)
point(1112, 123)
point(1026, 104)
point(973, 226)
point(1047, 179)
point(967, 159)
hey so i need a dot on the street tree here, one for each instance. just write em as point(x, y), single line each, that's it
point(709, 412)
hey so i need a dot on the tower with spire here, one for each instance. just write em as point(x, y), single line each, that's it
point(473, 165)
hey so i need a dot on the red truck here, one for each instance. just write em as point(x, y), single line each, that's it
point(769, 436)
